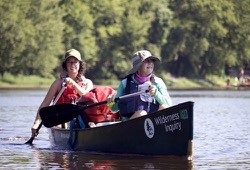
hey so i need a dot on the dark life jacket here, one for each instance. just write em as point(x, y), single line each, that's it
point(130, 105)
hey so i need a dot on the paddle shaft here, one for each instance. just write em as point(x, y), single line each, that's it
point(61, 113)
point(132, 95)
point(54, 102)
point(116, 99)
point(59, 94)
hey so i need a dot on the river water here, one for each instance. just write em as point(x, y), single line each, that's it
point(221, 135)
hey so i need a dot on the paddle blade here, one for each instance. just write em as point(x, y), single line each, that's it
point(30, 141)
point(32, 138)
point(58, 114)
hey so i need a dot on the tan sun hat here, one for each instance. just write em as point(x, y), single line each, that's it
point(72, 53)
point(138, 59)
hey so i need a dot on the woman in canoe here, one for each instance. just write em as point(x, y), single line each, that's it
point(139, 78)
point(69, 87)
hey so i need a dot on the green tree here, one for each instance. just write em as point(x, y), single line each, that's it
point(239, 36)
point(78, 32)
point(124, 27)
point(31, 37)
point(193, 38)
point(197, 44)
point(13, 32)
point(45, 43)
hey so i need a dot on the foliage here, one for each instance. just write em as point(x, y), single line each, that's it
point(193, 38)
point(31, 39)
point(78, 32)
point(22, 80)
point(124, 27)
point(199, 44)
point(13, 32)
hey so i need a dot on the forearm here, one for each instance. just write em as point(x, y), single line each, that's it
point(80, 90)
point(46, 102)
point(83, 90)
point(161, 94)
point(37, 120)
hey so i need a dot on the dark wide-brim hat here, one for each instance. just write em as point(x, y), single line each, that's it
point(138, 59)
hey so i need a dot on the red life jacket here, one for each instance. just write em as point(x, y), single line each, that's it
point(69, 95)
point(98, 113)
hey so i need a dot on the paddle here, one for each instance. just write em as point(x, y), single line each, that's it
point(61, 113)
point(32, 138)
point(40, 125)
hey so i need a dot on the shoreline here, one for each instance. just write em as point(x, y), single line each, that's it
point(16, 86)
point(24, 86)
point(46, 87)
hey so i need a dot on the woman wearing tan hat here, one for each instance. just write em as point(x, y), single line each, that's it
point(140, 78)
point(68, 87)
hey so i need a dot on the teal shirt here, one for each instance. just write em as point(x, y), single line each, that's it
point(161, 95)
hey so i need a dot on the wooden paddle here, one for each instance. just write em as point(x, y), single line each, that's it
point(40, 125)
point(61, 113)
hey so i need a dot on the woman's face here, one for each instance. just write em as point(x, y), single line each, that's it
point(147, 67)
point(72, 65)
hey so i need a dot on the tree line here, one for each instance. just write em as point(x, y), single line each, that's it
point(193, 38)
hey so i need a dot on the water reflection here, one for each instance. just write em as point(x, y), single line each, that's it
point(221, 135)
point(79, 160)
point(210, 94)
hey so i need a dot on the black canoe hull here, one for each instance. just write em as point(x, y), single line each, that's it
point(166, 132)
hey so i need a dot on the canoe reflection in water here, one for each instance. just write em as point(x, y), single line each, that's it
point(79, 160)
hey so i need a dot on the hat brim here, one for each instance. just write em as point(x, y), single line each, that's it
point(135, 68)
point(79, 59)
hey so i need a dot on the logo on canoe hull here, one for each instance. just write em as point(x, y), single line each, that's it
point(149, 128)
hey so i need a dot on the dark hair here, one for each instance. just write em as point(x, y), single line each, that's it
point(81, 71)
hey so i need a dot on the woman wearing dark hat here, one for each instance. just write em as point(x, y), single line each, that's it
point(139, 78)
point(72, 84)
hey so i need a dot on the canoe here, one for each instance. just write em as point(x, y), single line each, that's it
point(168, 132)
